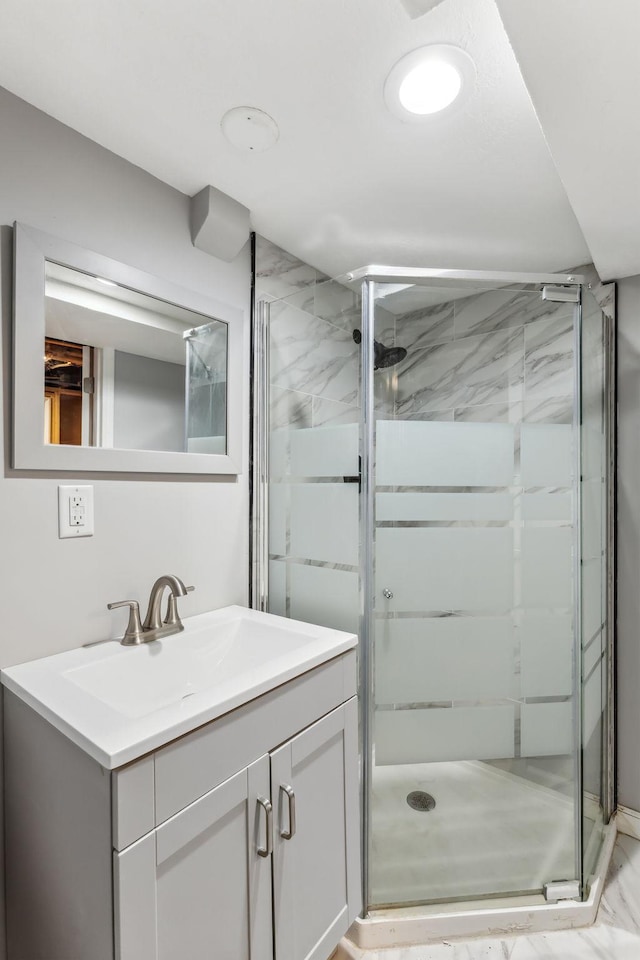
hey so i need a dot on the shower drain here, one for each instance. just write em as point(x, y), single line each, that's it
point(419, 800)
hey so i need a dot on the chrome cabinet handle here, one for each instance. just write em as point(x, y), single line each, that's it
point(288, 834)
point(268, 809)
point(387, 593)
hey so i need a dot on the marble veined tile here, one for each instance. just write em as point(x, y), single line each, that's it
point(548, 409)
point(461, 373)
point(312, 356)
point(425, 326)
point(621, 899)
point(490, 413)
point(549, 358)
point(279, 273)
point(333, 412)
point(289, 409)
point(500, 309)
point(429, 379)
point(338, 304)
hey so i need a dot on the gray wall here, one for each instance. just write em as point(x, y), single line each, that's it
point(629, 542)
point(149, 405)
point(54, 592)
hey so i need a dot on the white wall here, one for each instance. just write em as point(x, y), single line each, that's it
point(628, 634)
point(54, 592)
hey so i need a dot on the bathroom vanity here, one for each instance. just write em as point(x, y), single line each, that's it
point(222, 824)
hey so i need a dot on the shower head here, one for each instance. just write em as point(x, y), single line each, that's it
point(383, 356)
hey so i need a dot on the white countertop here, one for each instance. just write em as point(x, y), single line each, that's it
point(118, 703)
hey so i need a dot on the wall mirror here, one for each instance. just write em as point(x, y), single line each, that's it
point(118, 370)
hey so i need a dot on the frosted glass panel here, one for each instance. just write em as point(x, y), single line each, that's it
point(593, 703)
point(325, 451)
point(278, 588)
point(325, 522)
point(592, 654)
point(445, 569)
point(418, 453)
point(324, 596)
point(546, 729)
point(278, 498)
point(594, 528)
point(444, 658)
point(459, 733)
point(546, 454)
point(547, 506)
point(592, 450)
point(547, 567)
point(546, 655)
point(278, 452)
point(593, 510)
point(444, 506)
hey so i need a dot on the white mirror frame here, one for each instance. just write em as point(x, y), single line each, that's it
point(32, 249)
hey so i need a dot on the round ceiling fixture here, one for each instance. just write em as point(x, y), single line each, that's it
point(430, 80)
point(250, 129)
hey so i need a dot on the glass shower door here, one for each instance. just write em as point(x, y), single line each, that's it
point(597, 455)
point(473, 761)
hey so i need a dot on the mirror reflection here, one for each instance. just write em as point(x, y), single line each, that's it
point(126, 370)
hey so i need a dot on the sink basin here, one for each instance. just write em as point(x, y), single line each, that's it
point(166, 672)
point(121, 702)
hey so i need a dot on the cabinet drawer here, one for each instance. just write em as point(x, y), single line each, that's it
point(132, 802)
point(188, 768)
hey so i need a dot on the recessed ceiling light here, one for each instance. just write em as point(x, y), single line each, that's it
point(429, 80)
point(250, 129)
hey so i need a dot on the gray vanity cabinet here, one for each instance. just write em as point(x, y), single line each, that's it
point(315, 797)
point(238, 841)
point(200, 885)
point(196, 887)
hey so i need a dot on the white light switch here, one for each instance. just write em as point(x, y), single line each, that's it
point(75, 512)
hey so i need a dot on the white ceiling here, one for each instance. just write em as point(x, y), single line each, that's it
point(581, 64)
point(347, 183)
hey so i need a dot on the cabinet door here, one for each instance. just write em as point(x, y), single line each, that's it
point(316, 868)
point(197, 887)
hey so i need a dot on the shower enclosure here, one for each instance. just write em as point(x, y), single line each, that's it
point(433, 458)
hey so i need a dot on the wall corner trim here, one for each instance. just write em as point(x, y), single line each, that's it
point(628, 822)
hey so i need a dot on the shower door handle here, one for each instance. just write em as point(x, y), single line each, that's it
point(388, 594)
point(288, 834)
point(356, 477)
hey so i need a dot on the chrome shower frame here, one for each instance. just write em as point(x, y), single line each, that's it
point(367, 277)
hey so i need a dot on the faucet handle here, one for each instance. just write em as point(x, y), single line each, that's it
point(133, 633)
point(172, 618)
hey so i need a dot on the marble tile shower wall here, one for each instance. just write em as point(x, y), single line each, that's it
point(497, 369)
point(314, 414)
point(495, 356)
point(474, 533)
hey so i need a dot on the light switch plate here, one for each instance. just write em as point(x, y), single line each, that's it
point(75, 511)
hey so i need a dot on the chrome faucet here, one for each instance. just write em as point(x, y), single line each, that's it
point(154, 627)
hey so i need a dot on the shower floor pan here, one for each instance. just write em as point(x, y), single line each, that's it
point(489, 832)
